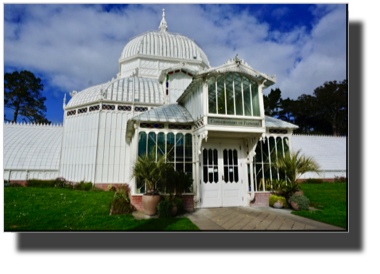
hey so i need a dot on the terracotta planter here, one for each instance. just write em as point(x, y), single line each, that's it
point(174, 210)
point(150, 203)
point(294, 206)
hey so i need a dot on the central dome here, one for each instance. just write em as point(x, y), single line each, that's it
point(161, 43)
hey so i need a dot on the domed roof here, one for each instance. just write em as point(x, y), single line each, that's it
point(127, 89)
point(165, 44)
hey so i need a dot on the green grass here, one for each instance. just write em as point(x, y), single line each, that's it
point(44, 209)
point(330, 198)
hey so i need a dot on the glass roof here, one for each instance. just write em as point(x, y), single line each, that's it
point(271, 122)
point(173, 113)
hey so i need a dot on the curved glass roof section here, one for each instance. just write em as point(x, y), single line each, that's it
point(271, 122)
point(328, 151)
point(128, 89)
point(164, 44)
point(30, 146)
point(168, 113)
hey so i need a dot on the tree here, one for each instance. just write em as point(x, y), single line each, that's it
point(22, 93)
point(272, 102)
point(331, 105)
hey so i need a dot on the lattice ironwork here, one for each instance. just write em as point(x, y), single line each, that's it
point(151, 125)
point(108, 107)
point(278, 131)
point(72, 112)
point(82, 110)
point(124, 108)
point(141, 109)
point(180, 127)
point(94, 108)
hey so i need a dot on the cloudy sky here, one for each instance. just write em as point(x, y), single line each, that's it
point(72, 47)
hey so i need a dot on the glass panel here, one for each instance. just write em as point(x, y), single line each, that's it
point(152, 143)
point(267, 176)
point(170, 147)
point(226, 174)
point(221, 95)
point(259, 177)
point(255, 99)
point(235, 157)
point(161, 143)
point(236, 174)
point(216, 174)
point(238, 95)
point(274, 173)
point(179, 167)
point(188, 148)
point(286, 145)
point(225, 157)
point(229, 94)
point(230, 157)
point(249, 177)
point(142, 144)
point(265, 151)
point(211, 96)
point(258, 152)
point(189, 171)
point(247, 97)
point(140, 186)
point(179, 148)
point(210, 167)
point(272, 147)
point(205, 177)
point(279, 147)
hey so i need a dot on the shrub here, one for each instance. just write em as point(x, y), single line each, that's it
point(96, 189)
point(301, 200)
point(15, 185)
point(180, 208)
point(121, 203)
point(40, 183)
point(313, 181)
point(274, 198)
point(83, 186)
point(111, 188)
point(62, 183)
point(340, 179)
point(164, 208)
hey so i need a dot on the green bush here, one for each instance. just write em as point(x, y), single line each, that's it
point(275, 198)
point(62, 183)
point(301, 200)
point(164, 208)
point(120, 205)
point(340, 180)
point(83, 186)
point(15, 185)
point(180, 208)
point(313, 181)
point(96, 189)
point(40, 183)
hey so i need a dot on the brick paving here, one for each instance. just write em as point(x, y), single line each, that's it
point(253, 218)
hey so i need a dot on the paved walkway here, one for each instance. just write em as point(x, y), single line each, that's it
point(253, 218)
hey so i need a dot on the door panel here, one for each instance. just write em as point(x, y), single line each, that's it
point(220, 184)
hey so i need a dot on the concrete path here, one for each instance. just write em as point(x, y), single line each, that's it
point(253, 218)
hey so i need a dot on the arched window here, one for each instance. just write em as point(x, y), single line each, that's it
point(142, 144)
point(152, 144)
point(170, 147)
point(211, 95)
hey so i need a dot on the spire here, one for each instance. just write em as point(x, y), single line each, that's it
point(163, 25)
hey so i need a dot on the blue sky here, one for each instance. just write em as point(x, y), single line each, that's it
point(72, 47)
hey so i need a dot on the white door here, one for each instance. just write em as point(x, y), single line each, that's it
point(221, 183)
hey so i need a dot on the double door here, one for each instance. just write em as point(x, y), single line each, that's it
point(221, 180)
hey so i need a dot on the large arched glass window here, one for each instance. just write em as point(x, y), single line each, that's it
point(230, 94)
point(211, 95)
point(170, 147)
point(221, 94)
point(152, 144)
point(255, 99)
point(238, 94)
point(142, 144)
point(247, 97)
point(161, 143)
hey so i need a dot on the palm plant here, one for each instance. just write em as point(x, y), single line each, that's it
point(150, 172)
point(294, 165)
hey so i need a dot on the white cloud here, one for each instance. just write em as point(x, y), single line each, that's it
point(77, 46)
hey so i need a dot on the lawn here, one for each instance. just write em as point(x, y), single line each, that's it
point(52, 209)
point(330, 198)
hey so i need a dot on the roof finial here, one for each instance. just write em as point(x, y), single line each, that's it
point(163, 25)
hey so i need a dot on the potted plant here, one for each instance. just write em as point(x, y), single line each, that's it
point(294, 165)
point(299, 202)
point(151, 173)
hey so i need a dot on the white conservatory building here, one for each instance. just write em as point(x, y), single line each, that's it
point(167, 98)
